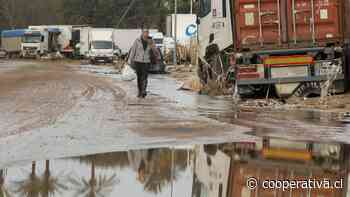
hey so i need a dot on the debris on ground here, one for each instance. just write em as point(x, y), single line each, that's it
point(186, 76)
point(185, 53)
point(105, 70)
point(266, 104)
point(192, 84)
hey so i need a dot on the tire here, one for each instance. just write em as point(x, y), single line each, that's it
point(308, 89)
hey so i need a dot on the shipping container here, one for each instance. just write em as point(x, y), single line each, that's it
point(125, 38)
point(272, 24)
point(293, 46)
point(185, 26)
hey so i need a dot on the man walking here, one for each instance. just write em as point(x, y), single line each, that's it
point(140, 57)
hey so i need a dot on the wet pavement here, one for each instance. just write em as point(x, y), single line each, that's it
point(174, 143)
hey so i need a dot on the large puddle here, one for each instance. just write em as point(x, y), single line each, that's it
point(219, 170)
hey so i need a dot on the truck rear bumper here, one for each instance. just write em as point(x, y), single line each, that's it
point(286, 80)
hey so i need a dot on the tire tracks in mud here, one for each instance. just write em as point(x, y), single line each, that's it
point(35, 98)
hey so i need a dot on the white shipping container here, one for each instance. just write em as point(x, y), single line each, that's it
point(125, 38)
point(101, 34)
point(186, 27)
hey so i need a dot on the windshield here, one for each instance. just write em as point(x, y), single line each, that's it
point(205, 8)
point(102, 45)
point(32, 39)
point(158, 41)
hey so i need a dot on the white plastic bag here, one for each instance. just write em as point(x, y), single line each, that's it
point(128, 74)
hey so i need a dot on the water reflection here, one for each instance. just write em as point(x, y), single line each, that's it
point(93, 186)
point(4, 191)
point(30, 186)
point(222, 170)
point(219, 170)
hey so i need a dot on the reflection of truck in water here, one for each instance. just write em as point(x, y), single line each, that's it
point(39, 41)
point(101, 45)
point(223, 170)
point(11, 41)
point(278, 159)
point(293, 46)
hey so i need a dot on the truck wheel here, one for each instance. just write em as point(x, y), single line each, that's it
point(308, 89)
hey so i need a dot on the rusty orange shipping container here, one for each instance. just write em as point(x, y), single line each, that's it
point(270, 24)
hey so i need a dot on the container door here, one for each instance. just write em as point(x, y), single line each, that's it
point(258, 23)
point(314, 21)
point(301, 21)
point(327, 20)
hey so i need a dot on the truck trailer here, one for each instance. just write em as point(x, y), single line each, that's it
point(11, 41)
point(297, 47)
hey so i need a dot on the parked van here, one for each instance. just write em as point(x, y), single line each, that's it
point(101, 45)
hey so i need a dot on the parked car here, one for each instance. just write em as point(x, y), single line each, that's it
point(158, 68)
point(3, 53)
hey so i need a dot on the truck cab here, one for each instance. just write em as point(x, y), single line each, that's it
point(214, 24)
point(40, 41)
point(101, 51)
point(32, 44)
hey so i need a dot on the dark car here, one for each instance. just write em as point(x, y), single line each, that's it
point(158, 68)
point(3, 53)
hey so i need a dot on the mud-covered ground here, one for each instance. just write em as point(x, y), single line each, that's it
point(61, 109)
point(52, 109)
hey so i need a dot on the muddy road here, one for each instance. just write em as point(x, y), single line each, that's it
point(58, 110)
point(36, 96)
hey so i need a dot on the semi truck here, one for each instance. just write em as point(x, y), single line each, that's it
point(295, 47)
point(39, 41)
point(11, 41)
point(67, 38)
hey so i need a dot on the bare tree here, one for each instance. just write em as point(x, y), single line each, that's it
point(7, 10)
